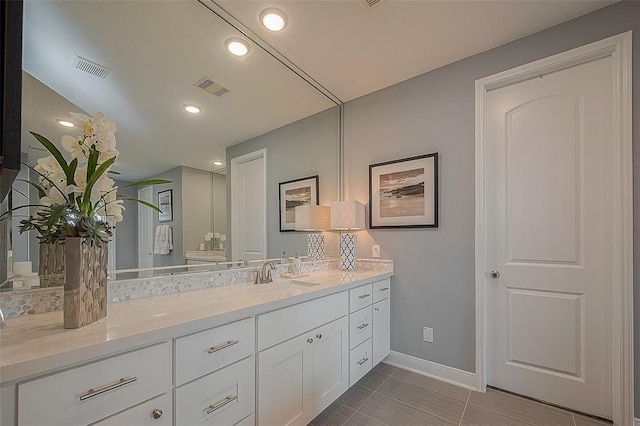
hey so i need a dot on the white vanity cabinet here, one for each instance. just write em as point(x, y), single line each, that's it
point(272, 364)
point(221, 360)
point(92, 392)
point(301, 376)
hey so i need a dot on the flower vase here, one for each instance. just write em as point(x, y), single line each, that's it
point(51, 265)
point(85, 287)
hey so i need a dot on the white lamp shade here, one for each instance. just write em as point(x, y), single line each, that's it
point(347, 215)
point(313, 218)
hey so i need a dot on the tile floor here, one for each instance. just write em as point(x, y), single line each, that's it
point(392, 396)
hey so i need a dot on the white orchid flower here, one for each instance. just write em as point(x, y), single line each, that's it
point(53, 197)
point(75, 147)
point(48, 165)
point(104, 156)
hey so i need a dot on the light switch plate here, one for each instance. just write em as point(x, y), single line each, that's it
point(427, 334)
point(375, 250)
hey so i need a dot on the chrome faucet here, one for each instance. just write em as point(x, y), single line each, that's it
point(264, 276)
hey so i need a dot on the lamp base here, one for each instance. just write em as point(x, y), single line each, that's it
point(315, 246)
point(348, 251)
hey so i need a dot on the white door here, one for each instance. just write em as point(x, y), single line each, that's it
point(330, 358)
point(145, 228)
point(548, 221)
point(249, 207)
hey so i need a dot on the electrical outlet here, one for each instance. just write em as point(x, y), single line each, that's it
point(427, 334)
point(375, 250)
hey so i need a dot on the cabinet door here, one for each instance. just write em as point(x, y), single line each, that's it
point(381, 330)
point(330, 358)
point(284, 383)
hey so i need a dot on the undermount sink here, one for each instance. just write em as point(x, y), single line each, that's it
point(304, 283)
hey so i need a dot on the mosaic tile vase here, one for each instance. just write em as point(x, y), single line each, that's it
point(85, 286)
point(51, 265)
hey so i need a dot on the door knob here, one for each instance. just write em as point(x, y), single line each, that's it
point(156, 414)
point(494, 274)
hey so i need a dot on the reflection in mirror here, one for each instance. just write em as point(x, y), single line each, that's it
point(141, 63)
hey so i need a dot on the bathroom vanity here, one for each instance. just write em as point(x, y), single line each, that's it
point(243, 354)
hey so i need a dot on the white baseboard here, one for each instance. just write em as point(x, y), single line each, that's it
point(434, 370)
point(636, 422)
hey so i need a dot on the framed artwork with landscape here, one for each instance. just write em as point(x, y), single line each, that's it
point(296, 193)
point(404, 193)
point(165, 204)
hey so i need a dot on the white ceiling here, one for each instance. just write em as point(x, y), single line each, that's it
point(157, 49)
point(353, 50)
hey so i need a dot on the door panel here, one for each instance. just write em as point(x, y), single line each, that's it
point(548, 236)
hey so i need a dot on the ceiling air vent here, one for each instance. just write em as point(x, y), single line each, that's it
point(370, 3)
point(211, 86)
point(90, 67)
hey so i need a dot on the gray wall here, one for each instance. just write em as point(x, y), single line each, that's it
point(307, 147)
point(434, 269)
point(196, 207)
point(127, 230)
point(176, 257)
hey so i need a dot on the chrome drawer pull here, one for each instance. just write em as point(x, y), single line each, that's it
point(222, 346)
point(384, 289)
point(363, 360)
point(227, 399)
point(364, 296)
point(102, 389)
point(363, 326)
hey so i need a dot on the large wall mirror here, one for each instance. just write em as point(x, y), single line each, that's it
point(141, 63)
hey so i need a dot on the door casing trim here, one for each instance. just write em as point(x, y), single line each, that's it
point(619, 49)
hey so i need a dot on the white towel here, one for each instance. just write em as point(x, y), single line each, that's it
point(163, 243)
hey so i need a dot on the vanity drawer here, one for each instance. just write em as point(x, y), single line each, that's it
point(155, 412)
point(221, 398)
point(283, 324)
point(210, 350)
point(360, 326)
point(360, 362)
point(360, 297)
point(381, 290)
point(92, 392)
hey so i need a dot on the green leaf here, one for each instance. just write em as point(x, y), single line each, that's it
point(92, 163)
point(94, 178)
point(71, 172)
point(144, 203)
point(146, 182)
point(53, 150)
point(55, 215)
point(41, 191)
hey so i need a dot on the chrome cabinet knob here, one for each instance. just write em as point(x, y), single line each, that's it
point(318, 336)
point(309, 340)
point(156, 414)
point(494, 274)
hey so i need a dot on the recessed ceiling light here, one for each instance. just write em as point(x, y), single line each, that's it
point(273, 19)
point(191, 108)
point(237, 46)
point(218, 163)
point(65, 123)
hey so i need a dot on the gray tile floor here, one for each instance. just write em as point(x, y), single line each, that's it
point(395, 397)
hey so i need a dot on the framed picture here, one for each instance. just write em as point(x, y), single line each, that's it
point(296, 193)
point(404, 193)
point(165, 204)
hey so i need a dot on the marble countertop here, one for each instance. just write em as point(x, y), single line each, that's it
point(32, 345)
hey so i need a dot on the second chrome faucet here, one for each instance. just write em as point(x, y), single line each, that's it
point(264, 276)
